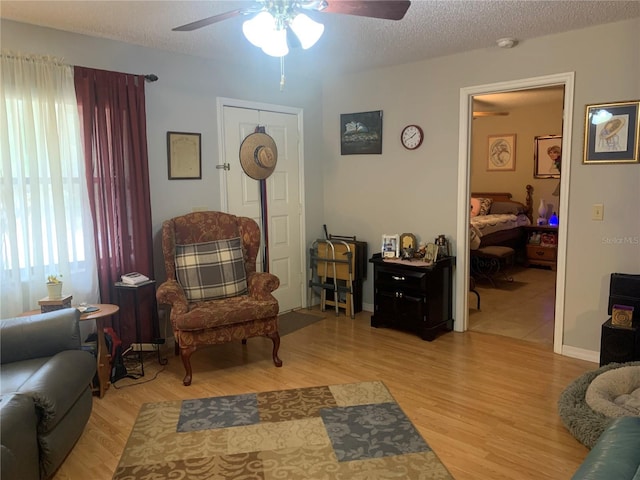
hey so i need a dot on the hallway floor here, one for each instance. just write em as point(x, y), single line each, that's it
point(521, 309)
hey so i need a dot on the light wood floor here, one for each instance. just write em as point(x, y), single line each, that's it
point(486, 404)
point(521, 309)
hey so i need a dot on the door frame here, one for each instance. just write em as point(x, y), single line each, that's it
point(222, 102)
point(567, 79)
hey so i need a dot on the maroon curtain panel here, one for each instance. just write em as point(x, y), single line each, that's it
point(114, 135)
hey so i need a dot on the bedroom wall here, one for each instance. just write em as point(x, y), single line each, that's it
point(527, 123)
point(416, 191)
point(184, 100)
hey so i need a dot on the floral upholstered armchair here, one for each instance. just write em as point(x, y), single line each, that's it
point(213, 289)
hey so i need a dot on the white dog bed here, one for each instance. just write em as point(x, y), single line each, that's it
point(616, 393)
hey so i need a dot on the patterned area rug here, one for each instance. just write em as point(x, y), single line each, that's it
point(352, 431)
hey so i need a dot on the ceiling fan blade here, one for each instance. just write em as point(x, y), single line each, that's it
point(490, 114)
point(387, 9)
point(209, 20)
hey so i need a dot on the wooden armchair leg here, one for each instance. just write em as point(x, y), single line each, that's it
point(185, 353)
point(275, 338)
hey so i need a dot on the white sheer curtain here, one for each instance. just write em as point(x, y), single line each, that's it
point(45, 221)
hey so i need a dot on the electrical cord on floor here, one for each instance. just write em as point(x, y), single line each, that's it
point(131, 364)
point(138, 383)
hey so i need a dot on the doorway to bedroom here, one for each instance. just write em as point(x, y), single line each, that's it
point(523, 144)
point(519, 300)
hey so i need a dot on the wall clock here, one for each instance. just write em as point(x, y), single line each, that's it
point(411, 137)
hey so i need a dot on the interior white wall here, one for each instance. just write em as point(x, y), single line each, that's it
point(415, 191)
point(184, 100)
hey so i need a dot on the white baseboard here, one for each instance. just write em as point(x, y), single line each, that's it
point(567, 350)
point(581, 353)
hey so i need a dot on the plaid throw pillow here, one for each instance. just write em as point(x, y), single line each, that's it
point(211, 270)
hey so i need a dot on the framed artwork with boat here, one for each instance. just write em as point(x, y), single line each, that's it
point(361, 133)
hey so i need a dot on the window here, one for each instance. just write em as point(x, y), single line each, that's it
point(45, 219)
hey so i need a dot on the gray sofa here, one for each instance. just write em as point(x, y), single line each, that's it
point(45, 392)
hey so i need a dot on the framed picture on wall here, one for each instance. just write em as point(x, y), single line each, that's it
point(547, 155)
point(361, 133)
point(184, 156)
point(611, 132)
point(501, 152)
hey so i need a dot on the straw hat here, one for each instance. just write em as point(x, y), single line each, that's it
point(258, 155)
point(612, 127)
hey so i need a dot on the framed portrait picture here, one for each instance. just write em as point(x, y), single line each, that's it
point(547, 155)
point(611, 133)
point(501, 153)
point(184, 156)
point(361, 133)
point(390, 246)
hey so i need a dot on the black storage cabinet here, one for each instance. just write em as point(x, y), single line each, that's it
point(621, 344)
point(413, 298)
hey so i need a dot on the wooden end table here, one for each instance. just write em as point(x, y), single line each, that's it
point(103, 355)
point(542, 254)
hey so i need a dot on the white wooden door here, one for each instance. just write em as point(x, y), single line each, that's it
point(284, 207)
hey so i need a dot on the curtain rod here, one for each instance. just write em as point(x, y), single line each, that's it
point(152, 77)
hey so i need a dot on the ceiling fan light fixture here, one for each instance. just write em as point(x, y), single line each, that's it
point(274, 43)
point(307, 30)
point(256, 29)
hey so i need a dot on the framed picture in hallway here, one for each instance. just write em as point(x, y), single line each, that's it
point(611, 132)
point(547, 155)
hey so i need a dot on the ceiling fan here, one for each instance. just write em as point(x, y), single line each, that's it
point(274, 25)
point(490, 114)
point(385, 9)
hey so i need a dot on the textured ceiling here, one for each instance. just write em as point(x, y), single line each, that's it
point(350, 43)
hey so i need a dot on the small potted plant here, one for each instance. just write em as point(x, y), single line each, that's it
point(54, 286)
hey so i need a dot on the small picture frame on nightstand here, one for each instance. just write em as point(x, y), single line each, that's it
point(431, 253)
point(390, 246)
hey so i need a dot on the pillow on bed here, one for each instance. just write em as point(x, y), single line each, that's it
point(513, 208)
point(485, 206)
point(475, 207)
